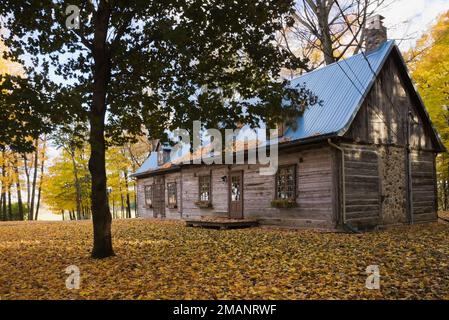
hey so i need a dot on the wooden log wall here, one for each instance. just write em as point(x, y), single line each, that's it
point(424, 195)
point(380, 130)
point(315, 191)
point(143, 211)
point(362, 184)
point(382, 119)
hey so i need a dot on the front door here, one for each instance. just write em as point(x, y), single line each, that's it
point(159, 197)
point(236, 195)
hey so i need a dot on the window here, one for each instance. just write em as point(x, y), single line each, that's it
point(166, 155)
point(204, 188)
point(235, 188)
point(163, 156)
point(149, 196)
point(160, 158)
point(171, 192)
point(286, 183)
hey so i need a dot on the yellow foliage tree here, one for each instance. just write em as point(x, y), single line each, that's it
point(122, 161)
point(70, 170)
point(429, 63)
point(121, 187)
point(9, 161)
point(60, 185)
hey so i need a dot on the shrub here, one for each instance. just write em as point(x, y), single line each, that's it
point(204, 204)
point(283, 203)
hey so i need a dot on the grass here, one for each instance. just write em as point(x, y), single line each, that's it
point(165, 260)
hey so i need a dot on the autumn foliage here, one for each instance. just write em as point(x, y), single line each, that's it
point(166, 260)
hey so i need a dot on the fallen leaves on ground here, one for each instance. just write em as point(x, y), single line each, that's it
point(166, 260)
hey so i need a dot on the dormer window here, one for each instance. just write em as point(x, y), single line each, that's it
point(159, 158)
point(163, 156)
point(166, 155)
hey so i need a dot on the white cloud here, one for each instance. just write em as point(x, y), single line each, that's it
point(411, 18)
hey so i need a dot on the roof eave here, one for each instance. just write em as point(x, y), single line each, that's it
point(155, 172)
point(282, 145)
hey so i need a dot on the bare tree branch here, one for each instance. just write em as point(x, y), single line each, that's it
point(322, 30)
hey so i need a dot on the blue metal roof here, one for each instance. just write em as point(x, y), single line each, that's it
point(342, 88)
point(149, 165)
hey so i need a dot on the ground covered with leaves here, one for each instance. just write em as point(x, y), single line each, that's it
point(166, 260)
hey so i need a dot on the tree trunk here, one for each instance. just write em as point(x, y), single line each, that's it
point(102, 220)
point(41, 179)
point(326, 39)
point(3, 205)
point(128, 201)
point(9, 203)
point(88, 207)
point(113, 207)
point(18, 188)
point(446, 188)
point(33, 189)
point(77, 183)
point(39, 190)
point(27, 174)
point(122, 204)
point(3, 193)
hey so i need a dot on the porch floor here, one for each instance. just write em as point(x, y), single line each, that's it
point(221, 223)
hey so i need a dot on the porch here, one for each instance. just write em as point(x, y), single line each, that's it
point(221, 223)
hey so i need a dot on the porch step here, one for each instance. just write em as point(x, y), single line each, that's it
point(222, 223)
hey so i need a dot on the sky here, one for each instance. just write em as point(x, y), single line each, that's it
point(411, 18)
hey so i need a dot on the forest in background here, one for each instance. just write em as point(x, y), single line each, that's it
point(56, 173)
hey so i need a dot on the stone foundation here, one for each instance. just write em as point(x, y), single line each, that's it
point(393, 185)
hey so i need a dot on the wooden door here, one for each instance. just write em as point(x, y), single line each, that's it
point(159, 197)
point(236, 195)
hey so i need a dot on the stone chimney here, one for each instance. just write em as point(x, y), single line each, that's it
point(375, 32)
